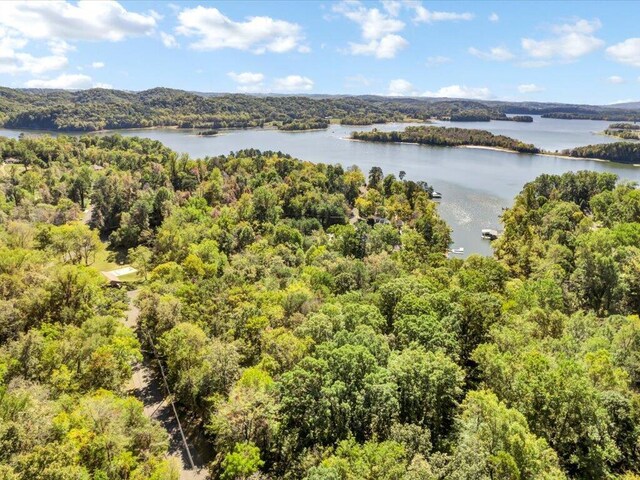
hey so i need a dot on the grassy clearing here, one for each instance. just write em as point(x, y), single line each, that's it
point(107, 260)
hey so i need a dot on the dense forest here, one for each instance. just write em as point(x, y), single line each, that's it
point(621, 152)
point(446, 137)
point(309, 321)
point(100, 109)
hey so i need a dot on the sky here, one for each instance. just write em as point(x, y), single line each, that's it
point(573, 52)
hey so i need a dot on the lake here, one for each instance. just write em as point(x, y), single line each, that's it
point(475, 183)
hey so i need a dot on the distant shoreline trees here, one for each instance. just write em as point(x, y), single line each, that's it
point(621, 152)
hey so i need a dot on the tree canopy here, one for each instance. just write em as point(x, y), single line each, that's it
point(309, 322)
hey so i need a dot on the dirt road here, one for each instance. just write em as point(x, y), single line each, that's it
point(148, 387)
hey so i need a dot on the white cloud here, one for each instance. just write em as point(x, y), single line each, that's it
point(373, 23)
point(27, 63)
point(461, 91)
point(246, 77)
point(13, 61)
point(168, 40)
point(570, 42)
point(387, 47)
point(84, 20)
point(248, 82)
point(97, 65)
point(401, 88)
point(427, 16)
point(60, 47)
point(530, 88)
point(494, 17)
point(496, 54)
point(392, 6)
point(535, 63)
point(293, 83)
point(65, 81)
point(108, 86)
point(626, 52)
point(581, 26)
point(615, 79)
point(214, 31)
point(437, 60)
point(378, 29)
point(56, 23)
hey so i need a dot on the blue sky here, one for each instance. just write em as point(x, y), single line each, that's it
point(583, 52)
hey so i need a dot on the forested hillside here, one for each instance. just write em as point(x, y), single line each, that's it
point(309, 321)
point(98, 109)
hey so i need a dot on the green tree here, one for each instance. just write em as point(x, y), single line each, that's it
point(141, 259)
point(429, 389)
point(242, 462)
point(375, 177)
point(494, 441)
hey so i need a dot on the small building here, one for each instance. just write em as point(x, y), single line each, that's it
point(113, 280)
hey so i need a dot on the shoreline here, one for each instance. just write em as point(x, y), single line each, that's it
point(304, 130)
point(569, 157)
point(503, 150)
point(478, 147)
point(392, 143)
point(495, 149)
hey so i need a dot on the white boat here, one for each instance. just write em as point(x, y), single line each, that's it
point(435, 194)
point(489, 234)
point(457, 251)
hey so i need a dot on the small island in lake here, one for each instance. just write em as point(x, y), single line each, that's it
point(471, 116)
point(208, 133)
point(446, 137)
point(522, 118)
point(627, 131)
point(516, 118)
point(304, 124)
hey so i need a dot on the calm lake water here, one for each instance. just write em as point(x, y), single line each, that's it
point(475, 184)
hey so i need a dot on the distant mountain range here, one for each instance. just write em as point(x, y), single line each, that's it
point(98, 109)
point(626, 105)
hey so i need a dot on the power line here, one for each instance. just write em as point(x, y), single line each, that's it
point(170, 396)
